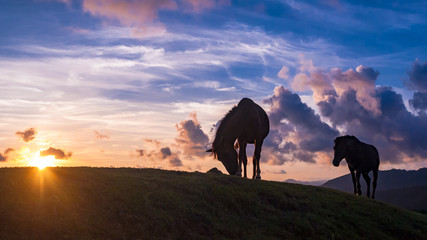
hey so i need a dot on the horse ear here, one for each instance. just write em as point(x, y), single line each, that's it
point(209, 150)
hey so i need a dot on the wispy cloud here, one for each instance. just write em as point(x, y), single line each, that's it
point(100, 135)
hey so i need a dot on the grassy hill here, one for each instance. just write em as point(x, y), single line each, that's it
point(107, 203)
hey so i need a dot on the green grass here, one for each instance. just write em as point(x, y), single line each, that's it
point(108, 203)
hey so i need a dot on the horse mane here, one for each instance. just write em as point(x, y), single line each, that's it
point(220, 131)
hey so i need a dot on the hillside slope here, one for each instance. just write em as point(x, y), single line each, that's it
point(107, 203)
point(403, 188)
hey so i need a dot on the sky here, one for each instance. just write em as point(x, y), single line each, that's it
point(127, 83)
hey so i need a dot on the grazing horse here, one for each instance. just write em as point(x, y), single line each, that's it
point(361, 158)
point(247, 123)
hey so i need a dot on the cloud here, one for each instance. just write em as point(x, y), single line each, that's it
point(166, 152)
point(419, 101)
point(362, 80)
point(398, 133)
point(336, 81)
point(143, 16)
point(140, 15)
point(190, 143)
point(199, 5)
point(418, 76)
point(191, 138)
point(305, 156)
point(297, 132)
point(9, 150)
point(351, 102)
point(156, 153)
point(175, 162)
point(140, 152)
point(101, 136)
point(27, 135)
point(6, 155)
point(283, 73)
point(277, 171)
point(418, 82)
point(310, 130)
point(57, 153)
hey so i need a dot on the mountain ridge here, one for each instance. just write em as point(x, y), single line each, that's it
point(403, 188)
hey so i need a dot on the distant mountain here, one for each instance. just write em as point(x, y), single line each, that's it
point(403, 188)
point(312, 183)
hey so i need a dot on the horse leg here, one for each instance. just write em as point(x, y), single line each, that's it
point(353, 178)
point(374, 183)
point(359, 188)
point(242, 157)
point(257, 157)
point(368, 183)
point(239, 169)
point(254, 164)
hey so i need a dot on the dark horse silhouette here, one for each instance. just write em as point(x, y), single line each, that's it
point(247, 123)
point(361, 158)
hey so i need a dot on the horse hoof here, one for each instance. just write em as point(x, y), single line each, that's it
point(258, 177)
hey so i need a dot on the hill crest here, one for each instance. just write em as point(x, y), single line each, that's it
point(107, 203)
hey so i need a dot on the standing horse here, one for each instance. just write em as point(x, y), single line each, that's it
point(247, 123)
point(361, 158)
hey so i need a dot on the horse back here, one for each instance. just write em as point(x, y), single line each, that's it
point(253, 119)
point(369, 157)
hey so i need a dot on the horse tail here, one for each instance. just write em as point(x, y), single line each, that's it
point(377, 156)
point(374, 182)
point(214, 152)
point(375, 172)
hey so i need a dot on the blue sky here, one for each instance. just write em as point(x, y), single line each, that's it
point(105, 79)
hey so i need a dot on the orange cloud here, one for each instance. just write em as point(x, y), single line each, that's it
point(200, 5)
point(100, 135)
point(140, 15)
point(129, 12)
point(283, 73)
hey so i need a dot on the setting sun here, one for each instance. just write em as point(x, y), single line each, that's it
point(42, 162)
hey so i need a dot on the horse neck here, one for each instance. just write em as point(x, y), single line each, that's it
point(230, 130)
point(351, 155)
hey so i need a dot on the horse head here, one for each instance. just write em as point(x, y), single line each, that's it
point(339, 152)
point(228, 156)
point(341, 147)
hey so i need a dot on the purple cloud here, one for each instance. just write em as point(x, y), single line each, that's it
point(191, 137)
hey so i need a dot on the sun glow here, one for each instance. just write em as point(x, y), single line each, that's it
point(42, 162)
